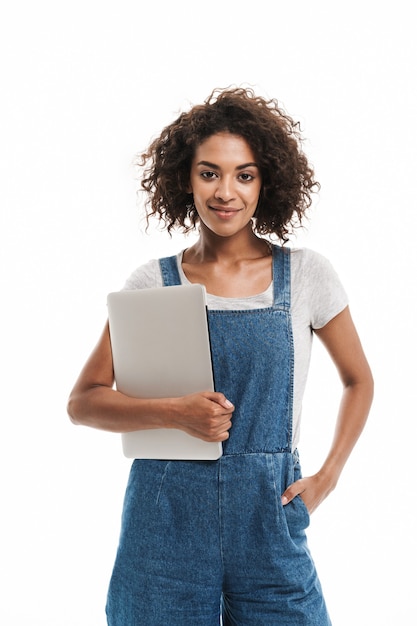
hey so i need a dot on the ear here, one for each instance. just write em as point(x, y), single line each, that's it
point(188, 188)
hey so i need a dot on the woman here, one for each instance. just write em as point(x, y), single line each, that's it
point(225, 540)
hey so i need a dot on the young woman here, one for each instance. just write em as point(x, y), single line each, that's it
point(204, 543)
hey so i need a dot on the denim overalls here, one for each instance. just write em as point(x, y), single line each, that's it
point(204, 543)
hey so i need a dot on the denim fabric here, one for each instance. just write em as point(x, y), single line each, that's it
point(209, 543)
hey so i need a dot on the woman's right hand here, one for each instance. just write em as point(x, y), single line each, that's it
point(94, 402)
point(206, 415)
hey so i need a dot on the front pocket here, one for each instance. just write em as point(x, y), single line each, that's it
point(297, 516)
point(296, 512)
point(303, 506)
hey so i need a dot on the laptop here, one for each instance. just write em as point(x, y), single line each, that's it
point(161, 348)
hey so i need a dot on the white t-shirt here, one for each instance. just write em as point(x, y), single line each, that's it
point(317, 296)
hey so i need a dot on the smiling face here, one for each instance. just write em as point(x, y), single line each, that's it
point(226, 182)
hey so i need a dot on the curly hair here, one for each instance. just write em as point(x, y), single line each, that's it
point(287, 178)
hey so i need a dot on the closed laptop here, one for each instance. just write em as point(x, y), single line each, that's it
point(161, 349)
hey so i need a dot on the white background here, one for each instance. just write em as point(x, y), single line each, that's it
point(86, 85)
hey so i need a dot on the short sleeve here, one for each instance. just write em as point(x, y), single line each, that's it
point(145, 277)
point(326, 294)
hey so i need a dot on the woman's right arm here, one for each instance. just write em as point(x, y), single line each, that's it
point(95, 402)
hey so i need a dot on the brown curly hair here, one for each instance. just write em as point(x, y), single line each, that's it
point(287, 177)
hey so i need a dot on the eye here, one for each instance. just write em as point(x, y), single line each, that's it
point(245, 177)
point(208, 175)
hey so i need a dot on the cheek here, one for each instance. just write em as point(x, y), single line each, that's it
point(255, 197)
point(194, 187)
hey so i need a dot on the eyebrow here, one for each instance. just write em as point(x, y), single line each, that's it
point(213, 166)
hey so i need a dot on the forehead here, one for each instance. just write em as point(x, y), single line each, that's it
point(222, 147)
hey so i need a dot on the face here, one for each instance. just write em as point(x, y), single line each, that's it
point(226, 182)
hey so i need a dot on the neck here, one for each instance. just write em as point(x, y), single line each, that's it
point(211, 247)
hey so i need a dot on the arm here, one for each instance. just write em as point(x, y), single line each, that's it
point(343, 345)
point(94, 402)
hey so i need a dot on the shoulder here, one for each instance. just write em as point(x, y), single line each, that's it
point(149, 275)
point(309, 267)
point(316, 286)
point(309, 262)
point(145, 276)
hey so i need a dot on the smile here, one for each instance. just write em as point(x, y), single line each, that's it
point(225, 213)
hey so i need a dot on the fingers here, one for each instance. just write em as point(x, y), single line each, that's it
point(216, 434)
point(221, 423)
point(216, 427)
point(220, 399)
point(312, 489)
point(207, 415)
point(292, 491)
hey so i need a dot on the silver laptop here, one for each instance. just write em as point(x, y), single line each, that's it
point(161, 349)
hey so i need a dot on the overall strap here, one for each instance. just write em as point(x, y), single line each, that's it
point(282, 277)
point(169, 271)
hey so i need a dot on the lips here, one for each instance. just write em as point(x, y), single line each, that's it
point(225, 212)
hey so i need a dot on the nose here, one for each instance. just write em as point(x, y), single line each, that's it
point(224, 191)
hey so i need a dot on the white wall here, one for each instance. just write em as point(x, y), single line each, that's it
point(85, 85)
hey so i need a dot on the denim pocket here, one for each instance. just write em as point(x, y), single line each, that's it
point(296, 512)
point(305, 512)
point(297, 516)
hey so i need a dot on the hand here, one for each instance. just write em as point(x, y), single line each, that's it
point(312, 489)
point(206, 415)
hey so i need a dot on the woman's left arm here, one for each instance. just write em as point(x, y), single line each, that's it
point(343, 345)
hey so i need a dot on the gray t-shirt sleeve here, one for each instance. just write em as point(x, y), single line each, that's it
point(144, 277)
point(319, 287)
